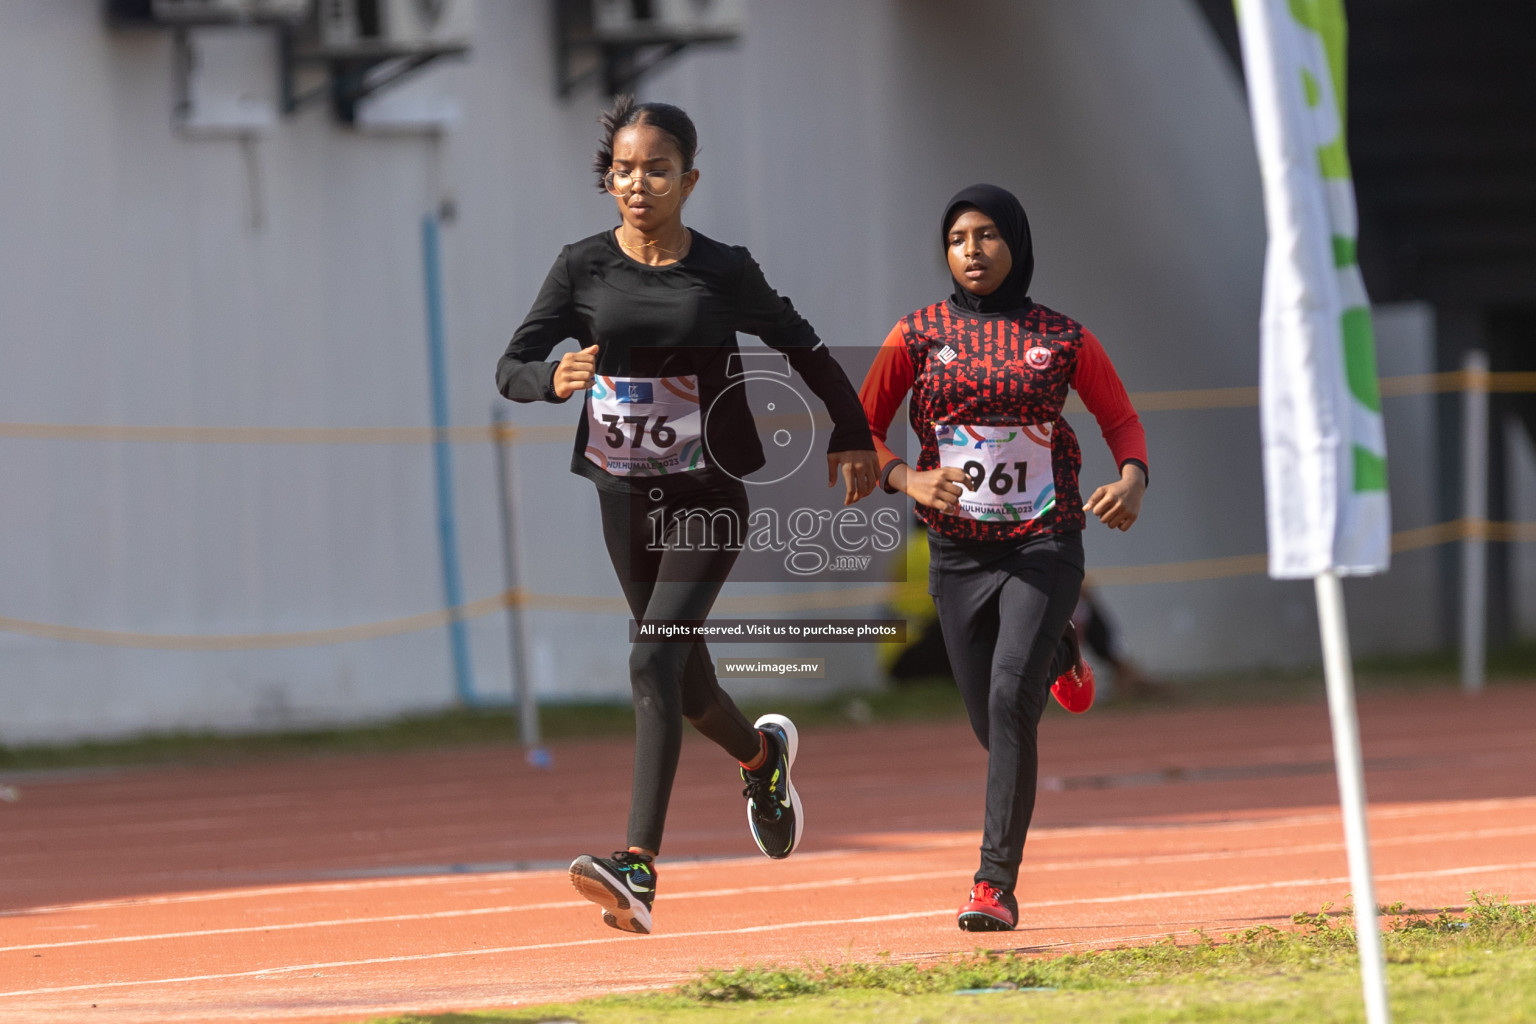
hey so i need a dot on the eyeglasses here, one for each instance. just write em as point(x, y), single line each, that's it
point(655, 183)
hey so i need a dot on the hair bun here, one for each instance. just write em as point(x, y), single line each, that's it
point(625, 113)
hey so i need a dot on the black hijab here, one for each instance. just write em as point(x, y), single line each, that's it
point(1008, 214)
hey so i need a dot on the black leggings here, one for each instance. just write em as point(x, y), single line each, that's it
point(673, 681)
point(1003, 608)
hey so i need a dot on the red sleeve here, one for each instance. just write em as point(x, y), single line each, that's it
point(1096, 381)
point(885, 387)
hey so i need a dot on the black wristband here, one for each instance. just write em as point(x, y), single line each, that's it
point(549, 386)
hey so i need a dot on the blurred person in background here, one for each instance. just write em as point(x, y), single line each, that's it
point(922, 657)
point(988, 372)
point(1099, 632)
point(655, 307)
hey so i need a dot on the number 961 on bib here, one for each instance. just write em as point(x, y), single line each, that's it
point(1008, 469)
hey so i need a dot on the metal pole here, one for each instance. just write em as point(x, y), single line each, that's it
point(1474, 546)
point(522, 688)
point(442, 459)
point(1351, 772)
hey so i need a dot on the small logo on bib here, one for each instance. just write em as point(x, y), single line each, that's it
point(634, 392)
point(1038, 357)
point(948, 355)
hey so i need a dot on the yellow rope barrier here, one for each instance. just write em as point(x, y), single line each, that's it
point(1147, 401)
point(1432, 536)
point(279, 435)
point(1198, 398)
point(737, 604)
point(730, 604)
point(253, 641)
point(1390, 387)
point(1144, 401)
point(1247, 565)
point(1511, 533)
point(805, 600)
point(1180, 572)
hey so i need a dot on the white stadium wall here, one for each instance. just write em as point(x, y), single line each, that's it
point(150, 279)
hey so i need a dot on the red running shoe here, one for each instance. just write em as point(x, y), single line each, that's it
point(990, 910)
point(1073, 689)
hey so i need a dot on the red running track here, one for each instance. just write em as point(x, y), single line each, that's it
point(339, 888)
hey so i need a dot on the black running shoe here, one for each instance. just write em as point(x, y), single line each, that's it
point(773, 806)
point(624, 885)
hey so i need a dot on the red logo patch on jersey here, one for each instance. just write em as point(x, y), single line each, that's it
point(1038, 357)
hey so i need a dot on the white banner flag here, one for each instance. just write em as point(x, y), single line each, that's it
point(1325, 466)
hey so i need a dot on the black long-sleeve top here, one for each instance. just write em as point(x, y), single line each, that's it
point(674, 320)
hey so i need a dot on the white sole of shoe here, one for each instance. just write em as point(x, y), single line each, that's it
point(621, 908)
point(792, 741)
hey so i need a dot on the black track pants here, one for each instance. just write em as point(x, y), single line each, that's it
point(1003, 608)
point(673, 681)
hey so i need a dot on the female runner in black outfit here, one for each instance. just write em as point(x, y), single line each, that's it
point(656, 307)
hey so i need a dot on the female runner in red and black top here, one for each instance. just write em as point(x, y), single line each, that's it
point(996, 483)
point(666, 438)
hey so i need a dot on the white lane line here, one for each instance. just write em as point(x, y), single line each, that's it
point(1294, 883)
point(458, 953)
point(565, 995)
point(1037, 836)
point(1298, 883)
point(480, 911)
point(973, 839)
point(475, 878)
point(437, 915)
point(1048, 833)
point(884, 879)
point(283, 890)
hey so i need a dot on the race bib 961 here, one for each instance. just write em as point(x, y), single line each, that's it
point(1008, 468)
point(644, 426)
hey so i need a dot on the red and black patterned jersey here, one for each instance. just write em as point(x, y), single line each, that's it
point(1000, 370)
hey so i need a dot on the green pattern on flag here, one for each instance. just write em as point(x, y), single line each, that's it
point(1360, 358)
point(1313, 90)
point(1324, 439)
point(1326, 18)
point(1343, 251)
point(1370, 470)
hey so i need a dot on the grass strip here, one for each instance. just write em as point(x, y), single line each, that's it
point(925, 700)
point(459, 728)
point(1477, 964)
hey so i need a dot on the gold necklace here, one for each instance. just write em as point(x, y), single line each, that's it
point(652, 245)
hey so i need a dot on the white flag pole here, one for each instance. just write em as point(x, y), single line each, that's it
point(1324, 445)
point(1349, 765)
